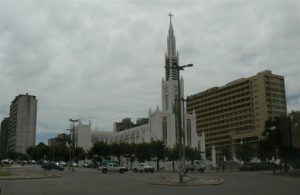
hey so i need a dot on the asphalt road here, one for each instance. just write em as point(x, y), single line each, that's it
point(89, 181)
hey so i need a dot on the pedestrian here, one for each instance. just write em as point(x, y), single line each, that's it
point(280, 167)
point(274, 168)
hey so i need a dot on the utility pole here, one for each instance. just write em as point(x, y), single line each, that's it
point(180, 140)
point(72, 136)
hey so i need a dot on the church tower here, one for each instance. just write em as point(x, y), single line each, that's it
point(170, 82)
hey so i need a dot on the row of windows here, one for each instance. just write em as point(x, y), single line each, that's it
point(234, 102)
point(230, 126)
point(246, 139)
point(244, 128)
point(271, 89)
point(216, 133)
point(224, 110)
point(229, 120)
point(269, 83)
point(275, 96)
point(276, 107)
point(222, 100)
point(275, 101)
point(276, 113)
point(273, 79)
point(224, 115)
point(218, 138)
point(217, 94)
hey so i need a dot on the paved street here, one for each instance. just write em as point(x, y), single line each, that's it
point(89, 181)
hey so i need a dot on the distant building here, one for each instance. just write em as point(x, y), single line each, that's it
point(101, 136)
point(83, 135)
point(160, 123)
point(295, 128)
point(22, 123)
point(4, 137)
point(237, 111)
point(123, 125)
point(126, 123)
point(61, 139)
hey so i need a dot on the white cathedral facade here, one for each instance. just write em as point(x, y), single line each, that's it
point(162, 123)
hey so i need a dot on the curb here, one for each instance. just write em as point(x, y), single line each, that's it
point(41, 176)
point(190, 181)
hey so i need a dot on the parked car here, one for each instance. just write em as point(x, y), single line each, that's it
point(62, 163)
point(92, 164)
point(52, 165)
point(70, 164)
point(112, 167)
point(7, 161)
point(143, 167)
point(196, 166)
point(32, 162)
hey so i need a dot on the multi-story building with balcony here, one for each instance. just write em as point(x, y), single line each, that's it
point(236, 112)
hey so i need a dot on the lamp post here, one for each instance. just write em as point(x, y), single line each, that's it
point(72, 137)
point(180, 133)
point(69, 146)
point(183, 130)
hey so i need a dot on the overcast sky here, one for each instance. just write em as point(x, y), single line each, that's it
point(104, 60)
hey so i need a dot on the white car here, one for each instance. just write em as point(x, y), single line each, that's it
point(7, 161)
point(62, 163)
point(112, 167)
point(143, 167)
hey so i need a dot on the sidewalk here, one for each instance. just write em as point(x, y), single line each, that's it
point(26, 174)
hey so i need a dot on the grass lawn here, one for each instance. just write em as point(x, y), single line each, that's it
point(4, 173)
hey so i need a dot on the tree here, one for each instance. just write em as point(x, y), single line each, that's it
point(192, 154)
point(17, 156)
point(158, 151)
point(99, 151)
point(142, 152)
point(172, 154)
point(265, 150)
point(226, 152)
point(130, 152)
point(278, 132)
point(245, 152)
point(117, 150)
point(40, 151)
point(80, 154)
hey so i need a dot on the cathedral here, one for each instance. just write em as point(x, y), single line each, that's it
point(161, 123)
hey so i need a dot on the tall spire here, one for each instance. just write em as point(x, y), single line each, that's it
point(172, 54)
point(171, 31)
point(171, 39)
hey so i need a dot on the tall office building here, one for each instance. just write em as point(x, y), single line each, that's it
point(22, 123)
point(236, 112)
point(3, 136)
point(295, 128)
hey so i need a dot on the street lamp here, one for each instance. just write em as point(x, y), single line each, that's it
point(180, 133)
point(69, 146)
point(72, 137)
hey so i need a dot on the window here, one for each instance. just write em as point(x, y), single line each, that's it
point(164, 128)
point(188, 129)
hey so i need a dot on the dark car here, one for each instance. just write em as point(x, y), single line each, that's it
point(52, 165)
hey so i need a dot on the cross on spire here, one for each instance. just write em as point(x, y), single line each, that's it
point(170, 14)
